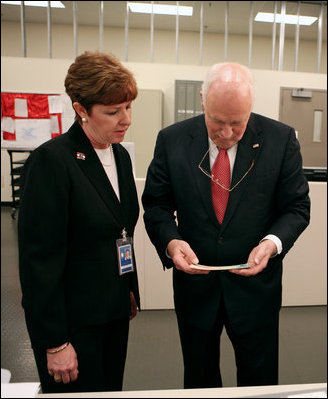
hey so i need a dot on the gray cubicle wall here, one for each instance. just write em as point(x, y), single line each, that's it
point(187, 99)
point(147, 121)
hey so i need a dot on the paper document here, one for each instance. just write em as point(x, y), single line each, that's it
point(204, 267)
point(20, 390)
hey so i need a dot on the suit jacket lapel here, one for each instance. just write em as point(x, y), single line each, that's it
point(197, 149)
point(124, 180)
point(248, 149)
point(94, 171)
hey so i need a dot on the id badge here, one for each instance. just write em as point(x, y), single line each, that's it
point(124, 254)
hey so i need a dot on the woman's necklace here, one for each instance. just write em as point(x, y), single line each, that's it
point(108, 158)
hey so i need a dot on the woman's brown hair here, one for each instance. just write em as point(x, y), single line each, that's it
point(99, 78)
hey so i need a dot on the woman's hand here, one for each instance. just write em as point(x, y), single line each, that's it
point(63, 366)
point(134, 306)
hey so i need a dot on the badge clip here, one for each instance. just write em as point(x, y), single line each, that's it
point(124, 234)
point(124, 247)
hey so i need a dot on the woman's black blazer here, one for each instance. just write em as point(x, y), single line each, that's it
point(69, 221)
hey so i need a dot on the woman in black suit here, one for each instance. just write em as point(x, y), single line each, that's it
point(78, 208)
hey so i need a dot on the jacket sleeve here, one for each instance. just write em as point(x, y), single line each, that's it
point(42, 238)
point(292, 199)
point(159, 205)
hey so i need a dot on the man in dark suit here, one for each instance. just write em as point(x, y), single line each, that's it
point(248, 207)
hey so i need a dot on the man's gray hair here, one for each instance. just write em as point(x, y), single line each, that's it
point(228, 72)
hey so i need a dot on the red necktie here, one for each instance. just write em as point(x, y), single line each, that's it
point(221, 172)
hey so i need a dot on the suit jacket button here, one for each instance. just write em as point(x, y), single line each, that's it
point(220, 240)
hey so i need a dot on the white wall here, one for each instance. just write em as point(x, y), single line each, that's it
point(305, 266)
point(268, 83)
point(164, 46)
point(42, 75)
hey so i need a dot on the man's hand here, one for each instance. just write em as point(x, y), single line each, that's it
point(183, 256)
point(63, 366)
point(258, 259)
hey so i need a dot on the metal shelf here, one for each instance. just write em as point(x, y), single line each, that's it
point(15, 173)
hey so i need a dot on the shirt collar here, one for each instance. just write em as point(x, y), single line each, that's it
point(213, 147)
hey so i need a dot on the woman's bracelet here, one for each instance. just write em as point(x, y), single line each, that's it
point(59, 349)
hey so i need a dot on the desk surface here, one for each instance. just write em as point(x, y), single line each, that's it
point(278, 391)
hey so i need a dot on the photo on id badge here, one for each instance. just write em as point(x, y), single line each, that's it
point(125, 259)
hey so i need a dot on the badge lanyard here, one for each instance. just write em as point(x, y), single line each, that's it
point(124, 254)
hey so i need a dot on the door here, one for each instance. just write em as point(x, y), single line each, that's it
point(306, 111)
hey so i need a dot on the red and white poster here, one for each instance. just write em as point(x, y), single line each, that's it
point(28, 120)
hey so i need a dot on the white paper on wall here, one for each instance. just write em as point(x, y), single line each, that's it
point(21, 107)
point(67, 123)
point(54, 124)
point(68, 113)
point(68, 110)
point(55, 104)
point(7, 124)
point(30, 133)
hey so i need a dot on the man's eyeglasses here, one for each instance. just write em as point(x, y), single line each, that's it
point(216, 180)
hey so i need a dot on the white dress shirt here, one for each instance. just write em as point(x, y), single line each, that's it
point(107, 159)
point(232, 151)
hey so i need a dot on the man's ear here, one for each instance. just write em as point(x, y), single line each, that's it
point(202, 100)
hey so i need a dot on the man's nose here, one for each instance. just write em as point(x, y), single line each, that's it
point(227, 131)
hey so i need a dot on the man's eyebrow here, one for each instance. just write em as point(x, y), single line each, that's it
point(216, 119)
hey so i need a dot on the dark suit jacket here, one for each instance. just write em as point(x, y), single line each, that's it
point(69, 220)
point(272, 199)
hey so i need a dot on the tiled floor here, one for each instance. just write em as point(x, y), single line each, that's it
point(154, 356)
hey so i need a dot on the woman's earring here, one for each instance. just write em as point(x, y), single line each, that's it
point(84, 119)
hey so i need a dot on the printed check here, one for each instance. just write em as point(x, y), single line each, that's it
point(231, 267)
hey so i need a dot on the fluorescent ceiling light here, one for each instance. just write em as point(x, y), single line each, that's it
point(53, 4)
point(147, 8)
point(289, 19)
